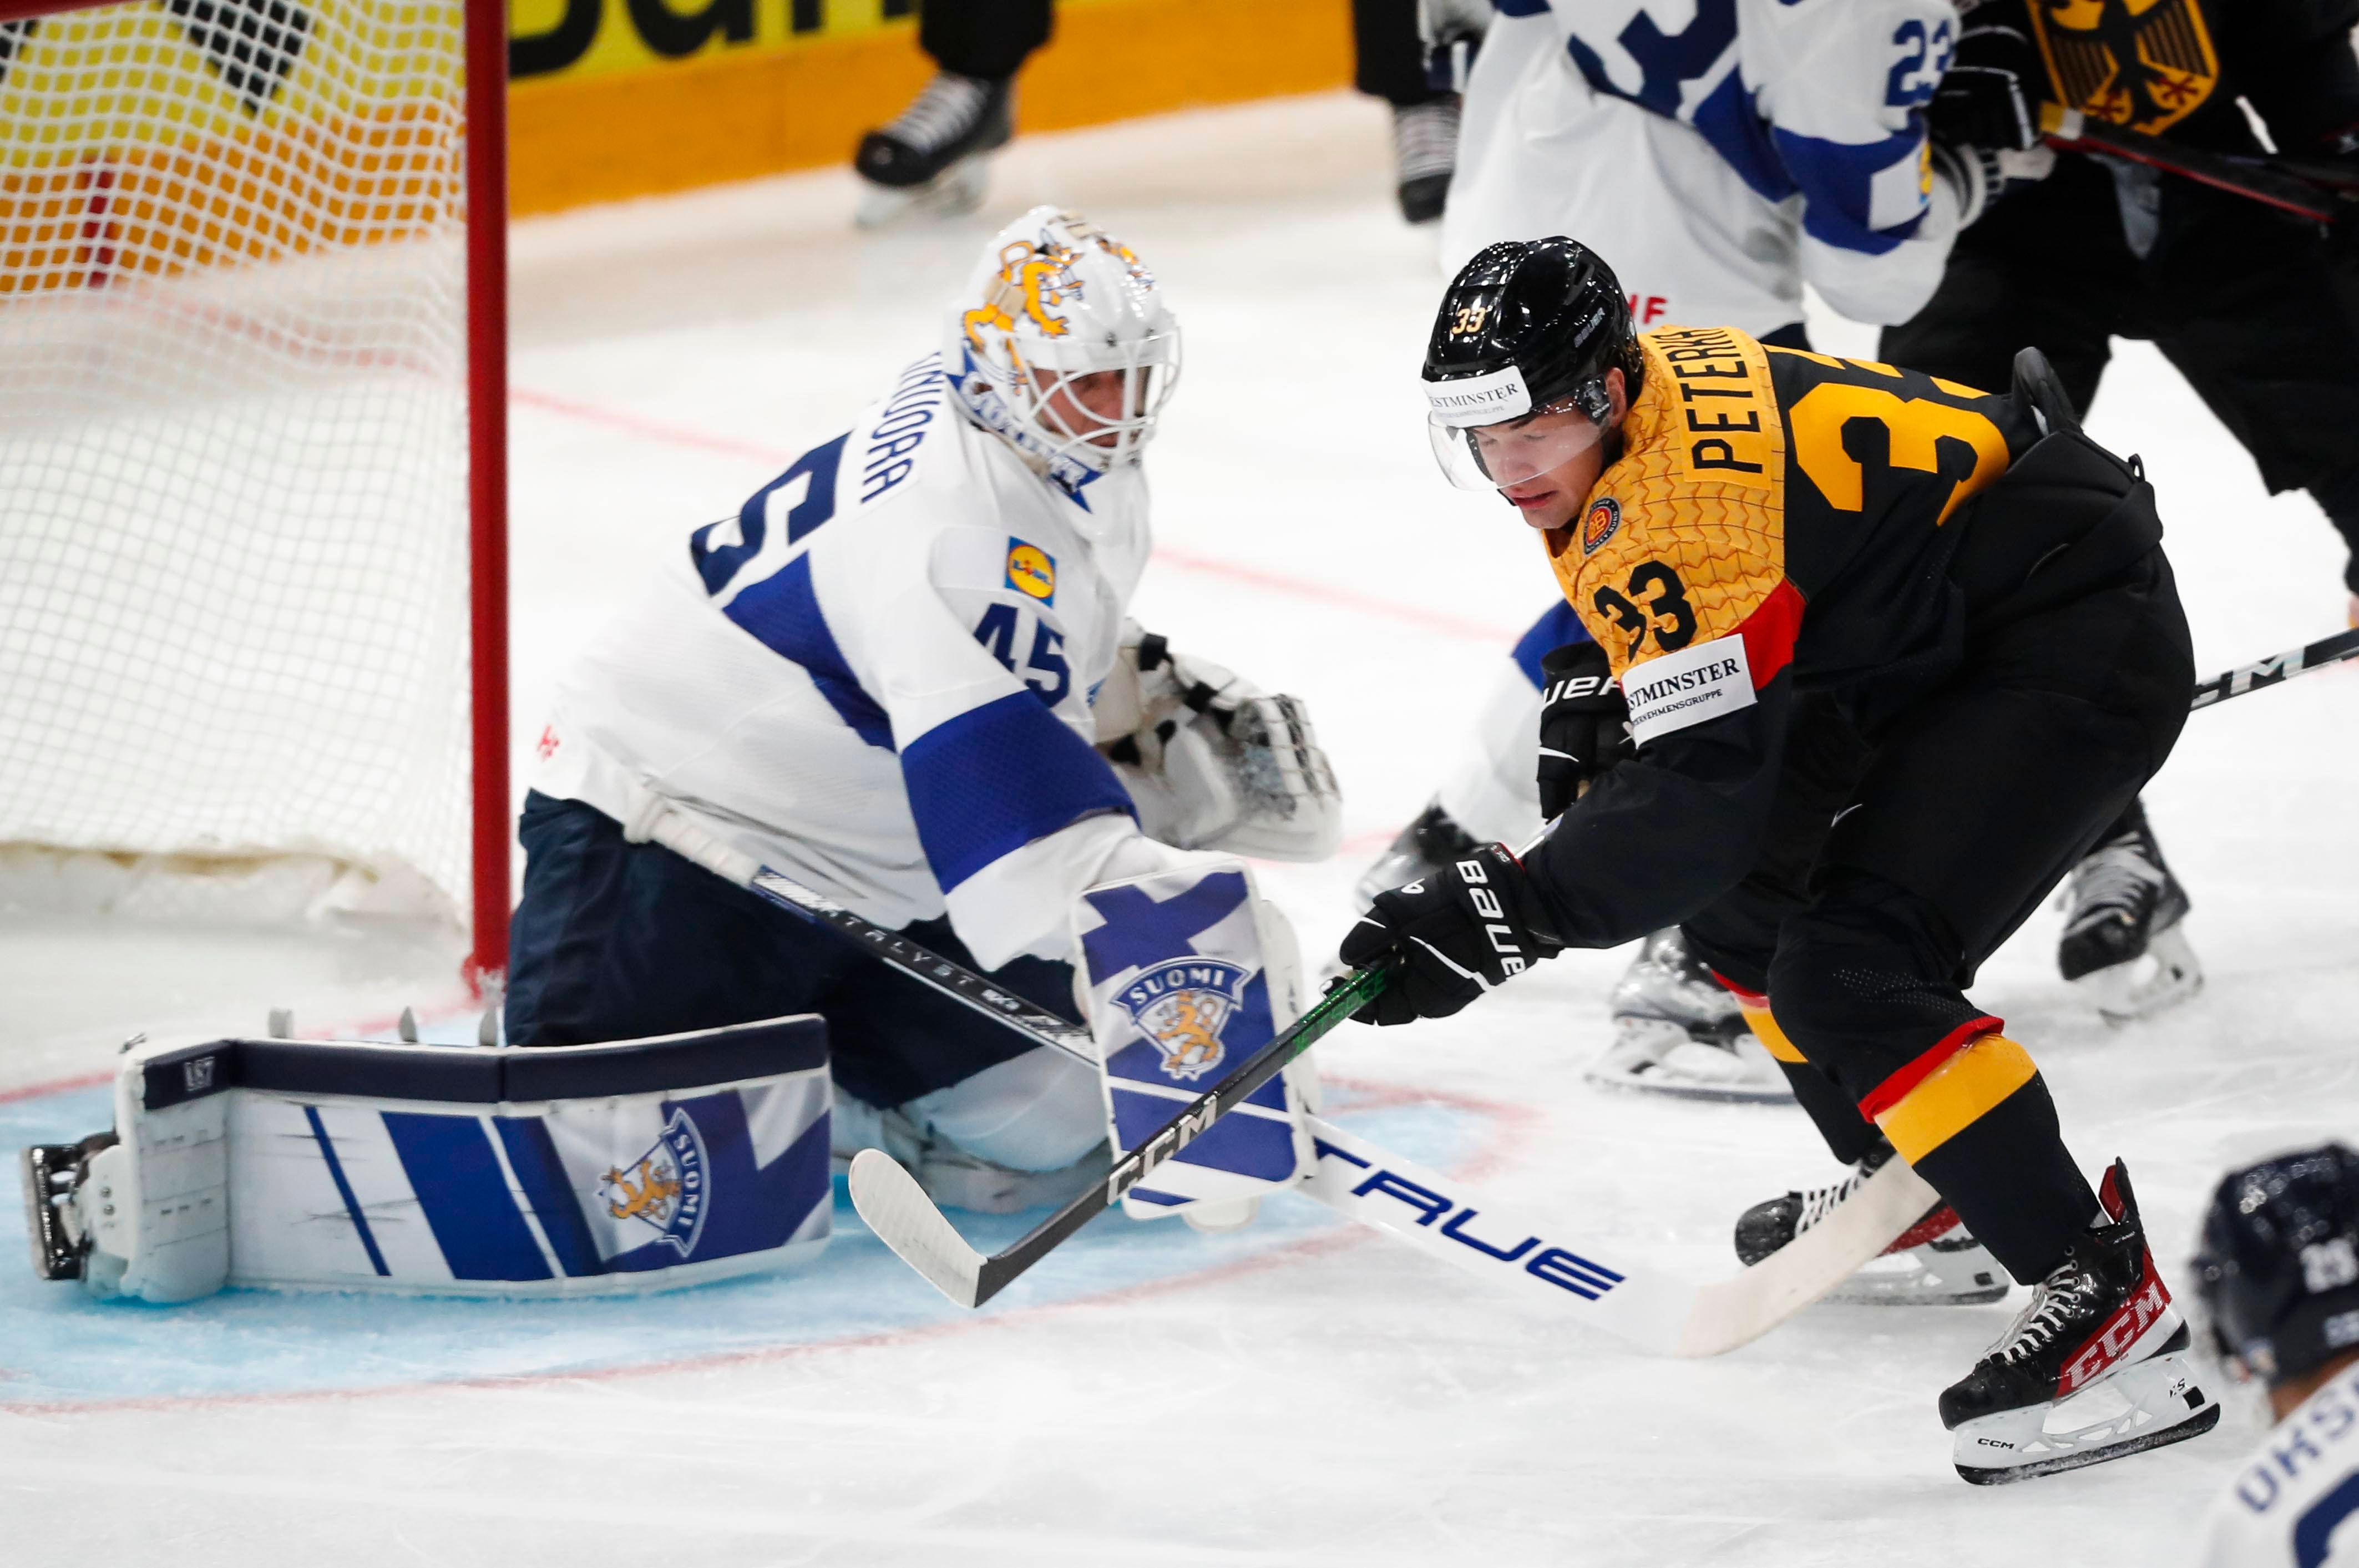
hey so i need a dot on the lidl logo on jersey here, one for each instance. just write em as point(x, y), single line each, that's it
point(666, 1188)
point(1605, 516)
point(1031, 571)
point(1182, 1004)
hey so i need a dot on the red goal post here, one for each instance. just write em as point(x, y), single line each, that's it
point(253, 449)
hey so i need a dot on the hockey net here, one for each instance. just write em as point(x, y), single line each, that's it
point(251, 460)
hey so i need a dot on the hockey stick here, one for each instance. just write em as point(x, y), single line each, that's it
point(2335, 649)
point(1653, 1308)
point(2288, 187)
point(898, 1210)
point(1666, 1313)
point(888, 1197)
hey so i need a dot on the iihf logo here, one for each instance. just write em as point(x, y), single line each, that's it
point(1182, 1004)
point(665, 1188)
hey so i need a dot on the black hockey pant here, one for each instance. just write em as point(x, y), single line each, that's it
point(988, 39)
point(1898, 862)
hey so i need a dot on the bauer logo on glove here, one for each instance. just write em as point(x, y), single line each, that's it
point(1454, 934)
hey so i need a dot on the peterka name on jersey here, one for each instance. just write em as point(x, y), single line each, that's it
point(1725, 403)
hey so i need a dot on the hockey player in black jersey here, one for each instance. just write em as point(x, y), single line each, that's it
point(1809, 581)
point(2251, 305)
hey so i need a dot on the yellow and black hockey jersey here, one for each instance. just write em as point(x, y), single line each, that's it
point(1776, 521)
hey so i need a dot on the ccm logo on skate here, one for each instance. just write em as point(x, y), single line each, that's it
point(1565, 1269)
point(2113, 1341)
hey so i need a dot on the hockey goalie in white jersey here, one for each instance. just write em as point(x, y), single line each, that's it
point(902, 674)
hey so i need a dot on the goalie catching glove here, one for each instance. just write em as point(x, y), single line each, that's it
point(1454, 934)
point(1212, 762)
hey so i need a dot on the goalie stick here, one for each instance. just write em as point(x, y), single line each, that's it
point(1657, 1310)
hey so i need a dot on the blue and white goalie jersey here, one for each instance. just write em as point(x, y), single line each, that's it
point(1773, 142)
point(877, 677)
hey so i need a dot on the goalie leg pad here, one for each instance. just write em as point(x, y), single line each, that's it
point(570, 1170)
point(1188, 973)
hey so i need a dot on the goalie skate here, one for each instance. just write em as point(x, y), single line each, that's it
point(2124, 945)
point(2096, 1367)
point(53, 1173)
point(1678, 1031)
point(1935, 1262)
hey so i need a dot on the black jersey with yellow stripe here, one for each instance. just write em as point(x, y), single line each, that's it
point(1776, 521)
point(1797, 502)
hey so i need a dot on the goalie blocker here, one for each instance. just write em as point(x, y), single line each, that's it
point(341, 1165)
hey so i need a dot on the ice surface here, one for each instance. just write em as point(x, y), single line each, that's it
point(1300, 1393)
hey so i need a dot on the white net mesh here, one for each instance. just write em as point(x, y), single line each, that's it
point(233, 542)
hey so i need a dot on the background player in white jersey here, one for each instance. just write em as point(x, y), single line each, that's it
point(888, 675)
point(2277, 1273)
point(1735, 150)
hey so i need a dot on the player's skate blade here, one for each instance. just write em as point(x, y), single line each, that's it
point(2151, 1405)
point(1679, 1031)
point(2162, 977)
point(953, 193)
point(1656, 1056)
point(2124, 945)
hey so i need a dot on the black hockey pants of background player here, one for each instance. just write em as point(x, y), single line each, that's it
point(1952, 819)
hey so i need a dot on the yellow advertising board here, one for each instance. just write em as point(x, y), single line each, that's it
point(615, 98)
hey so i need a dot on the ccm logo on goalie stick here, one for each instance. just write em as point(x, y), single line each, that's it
point(1565, 1269)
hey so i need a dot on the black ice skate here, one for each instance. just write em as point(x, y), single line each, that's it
point(1937, 1261)
point(1425, 151)
point(2099, 1347)
point(1678, 1031)
point(2123, 943)
point(932, 157)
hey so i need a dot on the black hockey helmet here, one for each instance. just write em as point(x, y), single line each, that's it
point(2277, 1267)
point(1527, 326)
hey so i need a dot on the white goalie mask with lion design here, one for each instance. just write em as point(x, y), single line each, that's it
point(1054, 301)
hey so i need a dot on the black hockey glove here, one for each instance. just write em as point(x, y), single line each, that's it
point(1454, 933)
point(1984, 119)
point(1989, 97)
point(1584, 723)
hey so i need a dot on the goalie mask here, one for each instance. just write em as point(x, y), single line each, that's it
point(1062, 346)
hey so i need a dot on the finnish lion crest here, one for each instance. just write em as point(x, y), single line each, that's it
point(666, 1188)
point(1181, 1005)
